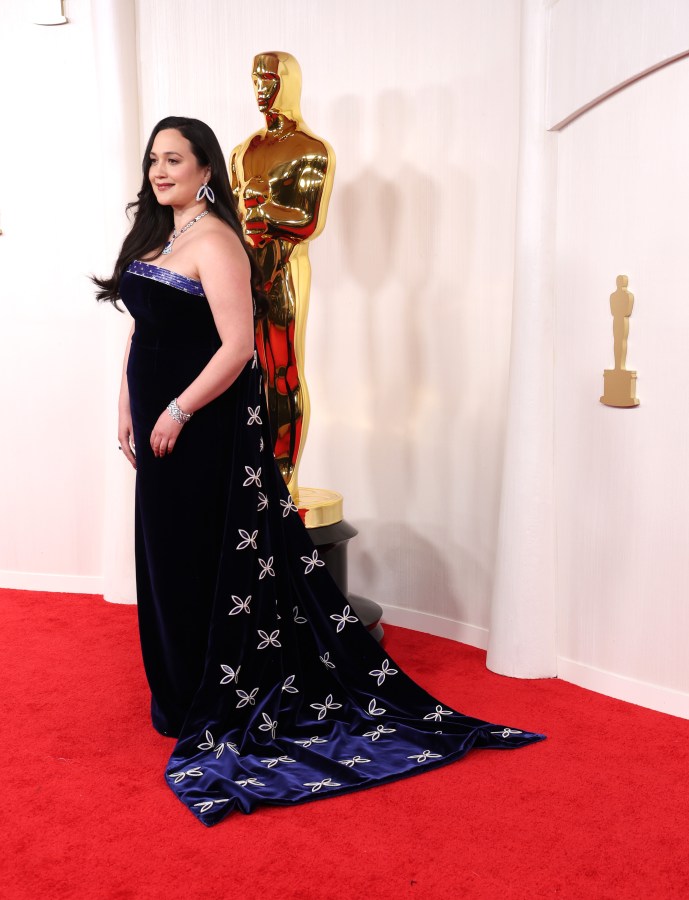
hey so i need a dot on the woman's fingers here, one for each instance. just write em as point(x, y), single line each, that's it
point(164, 435)
point(125, 436)
point(125, 447)
point(161, 446)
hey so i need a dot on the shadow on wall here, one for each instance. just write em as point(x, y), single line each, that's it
point(397, 251)
point(407, 569)
point(404, 227)
point(375, 228)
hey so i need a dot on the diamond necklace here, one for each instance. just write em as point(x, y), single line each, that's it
point(175, 234)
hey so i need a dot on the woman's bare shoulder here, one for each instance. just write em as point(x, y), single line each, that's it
point(220, 240)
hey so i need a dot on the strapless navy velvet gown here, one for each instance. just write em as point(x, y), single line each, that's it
point(276, 693)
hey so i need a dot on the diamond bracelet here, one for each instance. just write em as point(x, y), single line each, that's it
point(177, 414)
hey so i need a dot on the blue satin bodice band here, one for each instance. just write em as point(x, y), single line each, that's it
point(171, 312)
point(165, 276)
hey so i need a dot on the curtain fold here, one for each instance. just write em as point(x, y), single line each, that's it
point(522, 640)
point(115, 50)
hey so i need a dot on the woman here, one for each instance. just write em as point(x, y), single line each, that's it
point(275, 691)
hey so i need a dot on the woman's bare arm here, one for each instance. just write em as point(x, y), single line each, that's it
point(125, 431)
point(226, 276)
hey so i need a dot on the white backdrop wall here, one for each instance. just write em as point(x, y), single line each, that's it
point(414, 279)
point(408, 335)
point(617, 203)
point(622, 488)
point(598, 46)
point(53, 335)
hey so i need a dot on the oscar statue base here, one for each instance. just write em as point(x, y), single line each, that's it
point(619, 388)
point(331, 539)
point(318, 507)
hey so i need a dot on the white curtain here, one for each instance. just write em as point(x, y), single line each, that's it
point(522, 639)
point(114, 33)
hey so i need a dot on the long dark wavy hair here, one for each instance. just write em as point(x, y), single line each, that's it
point(152, 223)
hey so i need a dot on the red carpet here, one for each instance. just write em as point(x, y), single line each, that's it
point(599, 810)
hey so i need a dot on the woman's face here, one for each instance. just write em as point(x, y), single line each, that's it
point(175, 173)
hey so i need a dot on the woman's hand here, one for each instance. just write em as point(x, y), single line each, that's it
point(164, 435)
point(125, 429)
point(125, 436)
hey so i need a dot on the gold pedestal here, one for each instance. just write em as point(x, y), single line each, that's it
point(318, 507)
point(619, 388)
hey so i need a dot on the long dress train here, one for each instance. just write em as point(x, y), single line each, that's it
point(255, 660)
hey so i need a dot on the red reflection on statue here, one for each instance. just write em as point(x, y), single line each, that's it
point(282, 177)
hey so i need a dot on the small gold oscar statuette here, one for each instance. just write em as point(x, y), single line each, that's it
point(619, 384)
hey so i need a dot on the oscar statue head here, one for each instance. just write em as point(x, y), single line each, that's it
point(277, 84)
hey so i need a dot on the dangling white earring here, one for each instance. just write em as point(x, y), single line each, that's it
point(205, 192)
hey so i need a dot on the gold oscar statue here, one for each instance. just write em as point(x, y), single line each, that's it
point(282, 177)
point(619, 384)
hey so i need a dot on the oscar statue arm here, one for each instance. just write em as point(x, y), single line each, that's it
point(294, 202)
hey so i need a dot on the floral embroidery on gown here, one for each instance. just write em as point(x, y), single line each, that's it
point(256, 662)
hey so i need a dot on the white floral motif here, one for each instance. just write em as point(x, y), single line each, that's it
point(324, 707)
point(268, 725)
point(344, 618)
point(325, 659)
point(287, 506)
point(266, 568)
point(384, 671)
point(374, 710)
point(208, 744)
point(312, 562)
point(300, 620)
point(252, 477)
point(317, 785)
point(437, 716)
point(380, 729)
point(205, 805)
point(353, 761)
point(243, 782)
point(271, 763)
point(220, 749)
point(245, 698)
point(254, 417)
point(506, 732)
point(180, 776)
point(424, 756)
point(288, 686)
point(313, 740)
point(239, 605)
point(261, 445)
point(269, 639)
point(247, 539)
point(231, 674)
